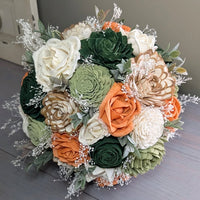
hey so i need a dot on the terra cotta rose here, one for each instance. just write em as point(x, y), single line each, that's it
point(118, 111)
point(68, 149)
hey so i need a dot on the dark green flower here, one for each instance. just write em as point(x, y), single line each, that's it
point(90, 84)
point(107, 152)
point(149, 158)
point(31, 96)
point(106, 48)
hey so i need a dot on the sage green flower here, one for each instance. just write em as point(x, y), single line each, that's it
point(37, 131)
point(90, 84)
point(106, 48)
point(149, 159)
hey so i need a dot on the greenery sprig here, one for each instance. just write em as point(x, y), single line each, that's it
point(40, 161)
point(48, 33)
point(82, 117)
point(174, 124)
point(122, 69)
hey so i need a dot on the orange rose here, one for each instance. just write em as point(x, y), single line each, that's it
point(102, 182)
point(115, 26)
point(25, 75)
point(173, 113)
point(68, 149)
point(118, 111)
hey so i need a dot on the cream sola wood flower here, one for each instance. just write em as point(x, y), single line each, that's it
point(58, 107)
point(93, 131)
point(55, 59)
point(150, 80)
point(140, 41)
point(80, 30)
point(148, 127)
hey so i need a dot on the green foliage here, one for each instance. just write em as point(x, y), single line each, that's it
point(80, 179)
point(41, 160)
point(59, 84)
point(129, 145)
point(122, 69)
point(169, 55)
point(48, 33)
point(181, 70)
point(101, 14)
point(28, 58)
point(174, 124)
point(82, 117)
point(106, 48)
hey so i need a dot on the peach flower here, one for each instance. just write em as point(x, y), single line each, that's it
point(25, 75)
point(118, 111)
point(118, 179)
point(69, 150)
point(175, 110)
point(115, 26)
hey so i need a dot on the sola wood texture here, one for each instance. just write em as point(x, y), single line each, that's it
point(178, 176)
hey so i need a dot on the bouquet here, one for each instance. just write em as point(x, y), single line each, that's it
point(100, 99)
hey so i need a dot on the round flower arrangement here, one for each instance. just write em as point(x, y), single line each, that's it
point(100, 99)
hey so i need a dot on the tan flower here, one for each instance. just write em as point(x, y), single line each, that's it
point(58, 107)
point(150, 80)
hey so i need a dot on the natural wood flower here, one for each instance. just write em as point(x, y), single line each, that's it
point(150, 80)
point(58, 107)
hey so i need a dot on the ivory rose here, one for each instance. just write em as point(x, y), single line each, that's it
point(56, 58)
point(69, 150)
point(93, 131)
point(118, 111)
point(140, 42)
point(80, 30)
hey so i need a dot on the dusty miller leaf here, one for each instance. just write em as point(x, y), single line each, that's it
point(174, 124)
point(41, 160)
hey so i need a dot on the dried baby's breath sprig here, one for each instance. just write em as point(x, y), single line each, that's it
point(14, 123)
point(30, 39)
point(180, 79)
point(185, 99)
